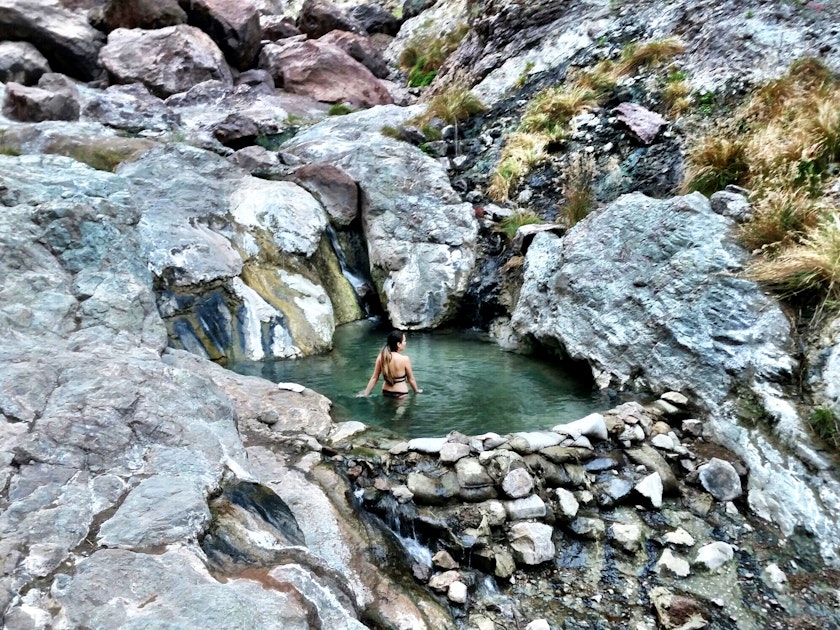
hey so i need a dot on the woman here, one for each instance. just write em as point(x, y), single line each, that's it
point(395, 368)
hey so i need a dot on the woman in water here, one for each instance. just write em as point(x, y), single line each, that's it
point(395, 368)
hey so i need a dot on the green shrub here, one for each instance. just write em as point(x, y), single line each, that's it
point(825, 424)
point(390, 132)
point(339, 109)
point(423, 56)
point(509, 225)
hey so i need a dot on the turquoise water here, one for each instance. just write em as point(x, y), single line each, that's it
point(470, 384)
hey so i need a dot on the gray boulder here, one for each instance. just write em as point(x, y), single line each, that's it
point(167, 60)
point(824, 367)
point(375, 19)
point(720, 479)
point(233, 24)
point(34, 104)
point(21, 62)
point(421, 237)
point(318, 17)
point(130, 108)
point(64, 37)
point(146, 14)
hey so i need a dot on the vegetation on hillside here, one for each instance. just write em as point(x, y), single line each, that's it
point(424, 55)
point(545, 121)
point(783, 145)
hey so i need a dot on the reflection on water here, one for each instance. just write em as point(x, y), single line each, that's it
point(470, 385)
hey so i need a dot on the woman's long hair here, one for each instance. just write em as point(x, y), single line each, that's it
point(394, 339)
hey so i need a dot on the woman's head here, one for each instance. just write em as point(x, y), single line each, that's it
point(395, 338)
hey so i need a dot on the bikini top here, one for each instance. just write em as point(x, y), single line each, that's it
point(399, 379)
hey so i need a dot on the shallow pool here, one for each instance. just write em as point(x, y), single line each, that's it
point(470, 384)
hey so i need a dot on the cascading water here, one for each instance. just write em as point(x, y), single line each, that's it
point(361, 286)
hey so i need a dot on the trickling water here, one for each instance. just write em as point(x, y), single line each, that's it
point(360, 284)
point(470, 384)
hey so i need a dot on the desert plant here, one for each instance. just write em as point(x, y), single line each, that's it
point(578, 179)
point(339, 109)
point(510, 224)
point(826, 425)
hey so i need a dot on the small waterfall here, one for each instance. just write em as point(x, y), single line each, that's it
point(360, 285)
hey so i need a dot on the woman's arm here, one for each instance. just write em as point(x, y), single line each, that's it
point(410, 376)
point(372, 382)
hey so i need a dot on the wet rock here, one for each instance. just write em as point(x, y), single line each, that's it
point(531, 543)
point(444, 560)
point(21, 62)
point(720, 479)
point(714, 555)
point(335, 189)
point(505, 564)
point(613, 490)
point(600, 464)
point(518, 483)
point(167, 60)
point(432, 490)
point(588, 527)
point(442, 581)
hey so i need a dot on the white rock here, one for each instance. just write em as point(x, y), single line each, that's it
point(673, 564)
point(692, 426)
point(774, 576)
point(402, 494)
point(651, 488)
point(344, 430)
point(518, 483)
point(453, 451)
point(538, 440)
point(457, 592)
point(627, 536)
point(568, 503)
point(675, 398)
point(531, 542)
point(592, 426)
point(538, 624)
point(528, 507)
point(665, 442)
point(442, 581)
point(430, 446)
point(714, 555)
point(679, 537)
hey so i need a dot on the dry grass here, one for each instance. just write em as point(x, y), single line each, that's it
point(715, 162)
point(554, 107)
point(635, 56)
point(578, 179)
point(453, 106)
point(677, 97)
point(812, 265)
point(522, 152)
point(509, 225)
point(780, 218)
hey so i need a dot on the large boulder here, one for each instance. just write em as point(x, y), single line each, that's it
point(147, 14)
point(421, 237)
point(233, 24)
point(21, 62)
point(64, 37)
point(359, 47)
point(323, 72)
point(130, 108)
point(167, 60)
point(34, 104)
point(375, 19)
point(661, 306)
point(318, 17)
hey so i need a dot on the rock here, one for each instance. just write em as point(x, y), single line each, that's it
point(64, 37)
point(670, 563)
point(457, 592)
point(612, 489)
point(233, 24)
point(407, 231)
point(255, 159)
point(774, 576)
point(734, 205)
point(145, 14)
point(443, 560)
point(130, 108)
point(692, 427)
point(528, 507)
point(531, 543)
point(318, 17)
point(21, 62)
point(714, 555)
point(677, 611)
point(471, 474)
point(323, 72)
point(375, 19)
point(346, 430)
point(528, 442)
point(588, 528)
point(665, 407)
point(568, 503)
point(33, 104)
point(651, 459)
point(518, 483)
point(432, 490)
point(430, 446)
point(276, 27)
point(627, 537)
point(452, 452)
point(335, 189)
point(651, 488)
point(402, 494)
point(644, 123)
point(592, 426)
point(664, 441)
point(442, 581)
point(675, 398)
point(236, 131)
point(359, 48)
point(720, 479)
point(679, 537)
point(167, 60)
point(505, 564)
point(538, 624)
